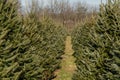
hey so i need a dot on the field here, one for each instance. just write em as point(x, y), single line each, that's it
point(50, 48)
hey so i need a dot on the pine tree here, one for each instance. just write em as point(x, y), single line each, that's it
point(29, 49)
point(108, 30)
point(17, 45)
point(84, 51)
point(97, 48)
point(10, 27)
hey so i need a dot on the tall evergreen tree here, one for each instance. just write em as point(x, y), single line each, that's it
point(97, 48)
point(108, 30)
point(10, 36)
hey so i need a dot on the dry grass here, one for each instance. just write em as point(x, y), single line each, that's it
point(68, 65)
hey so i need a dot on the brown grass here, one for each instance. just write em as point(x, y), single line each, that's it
point(68, 65)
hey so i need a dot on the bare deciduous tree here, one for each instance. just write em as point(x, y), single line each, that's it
point(61, 11)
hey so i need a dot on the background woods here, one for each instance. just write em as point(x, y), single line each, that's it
point(61, 11)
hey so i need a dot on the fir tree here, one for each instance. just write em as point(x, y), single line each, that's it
point(108, 30)
point(97, 48)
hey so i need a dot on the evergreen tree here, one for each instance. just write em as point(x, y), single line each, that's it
point(29, 49)
point(97, 48)
point(84, 51)
point(108, 30)
point(10, 36)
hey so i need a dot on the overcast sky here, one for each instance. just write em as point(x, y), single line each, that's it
point(89, 2)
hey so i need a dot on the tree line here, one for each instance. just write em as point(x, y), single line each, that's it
point(61, 11)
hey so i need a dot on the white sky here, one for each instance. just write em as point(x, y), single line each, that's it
point(90, 2)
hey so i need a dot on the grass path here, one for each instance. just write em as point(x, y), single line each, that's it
point(67, 64)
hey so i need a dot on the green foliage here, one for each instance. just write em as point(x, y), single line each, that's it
point(97, 48)
point(10, 37)
point(29, 49)
point(85, 57)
